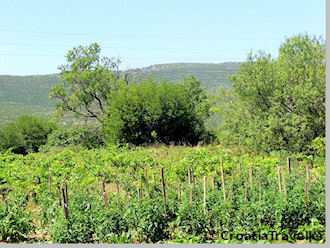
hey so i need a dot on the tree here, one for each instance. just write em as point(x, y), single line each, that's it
point(149, 112)
point(86, 136)
point(85, 82)
point(280, 103)
point(26, 134)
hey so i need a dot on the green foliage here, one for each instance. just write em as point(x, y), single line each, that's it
point(135, 211)
point(89, 137)
point(111, 225)
point(279, 104)
point(29, 94)
point(15, 221)
point(79, 228)
point(147, 221)
point(85, 82)
point(192, 221)
point(149, 112)
point(26, 134)
point(317, 146)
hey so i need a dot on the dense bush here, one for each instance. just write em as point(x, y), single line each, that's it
point(149, 112)
point(26, 134)
point(277, 103)
point(15, 222)
point(89, 137)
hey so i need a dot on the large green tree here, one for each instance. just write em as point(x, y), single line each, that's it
point(25, 134)
point(279, 103)
point(85, 82)
point(164, 112)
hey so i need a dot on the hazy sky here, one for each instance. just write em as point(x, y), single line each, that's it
point(35, 34)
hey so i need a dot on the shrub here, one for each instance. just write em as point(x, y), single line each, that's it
point(89, 137)
point(157, 113)
point(147, 221)
point(26, 134)
point(15, 222)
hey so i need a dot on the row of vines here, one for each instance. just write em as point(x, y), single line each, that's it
point(163, 194)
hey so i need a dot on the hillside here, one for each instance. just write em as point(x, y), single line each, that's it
point(211, 75)
point(29, 94)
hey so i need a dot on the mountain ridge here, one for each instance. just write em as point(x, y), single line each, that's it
point(28, 94)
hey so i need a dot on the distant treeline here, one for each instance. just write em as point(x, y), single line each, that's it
point(273, 104)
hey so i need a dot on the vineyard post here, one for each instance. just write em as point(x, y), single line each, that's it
point(205, 194)
point(245, 194)
point(289, 165)
point(260, 190)
point(279, 176)
point(179, 192)
point(239, 169)
point(146, 180)
point(284, 185)
point(163, 188)
point(307, 180)
point(104, 194)
point(213, 183)
point(37, 181)
point(66, 193)
point(222, 180)
point(117, 187)
point(65, 201)
point(251, 177)
point(190, 187)
point(298, 168)
point(49, 181)
point(140, 191)
point(138, 194)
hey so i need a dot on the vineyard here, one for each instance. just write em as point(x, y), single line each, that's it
point(161, 194)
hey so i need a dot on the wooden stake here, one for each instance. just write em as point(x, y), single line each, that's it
point(49, 182)
point(289, 165)
point(138, 194)
point(205, 194)
point(141, 189)
point(284, 186)
point(213, 183)
point(104, 194)
point(298, 168)
point(66, 193)
point(222, 180)
point(179, 192)
point(307, 181)
point(65, 202)
point(260, 190)
point(279, 176)
point(146, 180)
point(117, 188)
point(251, 177)
point(190, 187)
point(163, 188)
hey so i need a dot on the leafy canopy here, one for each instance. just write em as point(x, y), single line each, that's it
point(85, 82)
point(26, 134)
point(149, 112)
point(279, 103)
